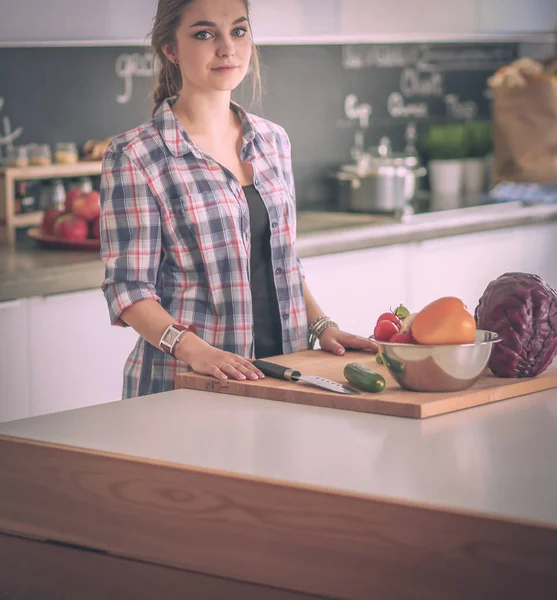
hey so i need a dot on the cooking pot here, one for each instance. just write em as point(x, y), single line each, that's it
point(379, 182)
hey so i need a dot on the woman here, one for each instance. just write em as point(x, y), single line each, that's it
point(198, 216)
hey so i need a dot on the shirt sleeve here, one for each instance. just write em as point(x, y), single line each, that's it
point(130, 234)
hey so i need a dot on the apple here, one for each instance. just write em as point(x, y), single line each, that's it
point(94, 229)
point(71, 195)
point(49, 217)
point(71, 228)
point(87, 206)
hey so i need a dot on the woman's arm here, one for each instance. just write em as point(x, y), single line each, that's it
point(333, 339)
point(151, 320)
point(312, 308)
point(131, 244)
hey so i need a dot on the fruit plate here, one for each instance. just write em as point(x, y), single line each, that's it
point(51, 241)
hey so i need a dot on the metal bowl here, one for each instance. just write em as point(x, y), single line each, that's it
point(439, 368)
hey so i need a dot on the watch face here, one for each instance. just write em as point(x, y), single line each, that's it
point(171, 336)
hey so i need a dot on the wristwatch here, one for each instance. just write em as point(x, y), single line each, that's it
point(172, 335)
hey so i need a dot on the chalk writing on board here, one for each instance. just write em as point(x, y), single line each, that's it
point(128, 66)
point(425, 56)
point(465, 59)
point(421, 70)
point(398, 109)
point(388, 57)
point(464, 111)
point(7, 136)
point(415, 82)
point(360, 111)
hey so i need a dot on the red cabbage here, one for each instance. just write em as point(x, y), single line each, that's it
point(522, 309)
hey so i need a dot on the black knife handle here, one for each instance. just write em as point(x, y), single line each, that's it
point(277, 371)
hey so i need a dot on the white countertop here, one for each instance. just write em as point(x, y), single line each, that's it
point(384, 231)
point(499, 459)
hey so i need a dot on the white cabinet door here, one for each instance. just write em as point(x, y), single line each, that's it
point(354, 288)
point(77, 356)
point(539, 254)
point(407, 16)
point(517, 15)
point(14, 362)
point(463, 265)
point(292, 21)
point(81, 20)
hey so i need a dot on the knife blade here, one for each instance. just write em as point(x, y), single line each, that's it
point(280, 372)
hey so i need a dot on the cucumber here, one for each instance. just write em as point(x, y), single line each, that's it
point(362, 377)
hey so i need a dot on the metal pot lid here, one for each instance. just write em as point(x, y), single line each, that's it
point(385, 155)
point(374, 168)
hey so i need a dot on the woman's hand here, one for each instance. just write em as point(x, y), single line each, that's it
point(208, 360)
point(336, 341)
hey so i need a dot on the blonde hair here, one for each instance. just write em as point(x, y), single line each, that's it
point(166, 22)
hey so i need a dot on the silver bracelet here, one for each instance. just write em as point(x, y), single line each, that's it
point(317, 328)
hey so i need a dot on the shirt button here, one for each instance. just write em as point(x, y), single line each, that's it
point(274, 225)
point(255, 181)
point(285, 317)
point(279, 271)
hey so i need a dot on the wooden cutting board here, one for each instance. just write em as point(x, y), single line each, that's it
point(392, 401)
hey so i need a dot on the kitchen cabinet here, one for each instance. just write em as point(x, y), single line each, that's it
point(353, 288)
point(15, 370)
point(361, 17)
point(464, 265)
point(461, 266)
point(539, 251)
point(295, 21)
point(128, 22)
point(77, 357)
point(59, 21)
point(518, 15)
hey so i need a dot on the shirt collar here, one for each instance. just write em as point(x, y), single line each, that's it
point(248, 127)
point(177, 140)
point(173, 134)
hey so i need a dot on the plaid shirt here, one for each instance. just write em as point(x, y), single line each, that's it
point(175, 228)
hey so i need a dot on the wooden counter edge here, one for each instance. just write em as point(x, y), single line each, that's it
point(299, 538)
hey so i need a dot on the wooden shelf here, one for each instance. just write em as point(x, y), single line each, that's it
point(80, 169)
point(8, 176)
point(32, 219)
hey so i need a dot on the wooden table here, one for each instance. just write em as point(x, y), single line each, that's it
point(201, 495)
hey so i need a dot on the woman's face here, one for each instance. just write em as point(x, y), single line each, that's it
point(213, 45)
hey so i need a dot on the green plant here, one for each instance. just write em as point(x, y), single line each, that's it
point(480, 138)
point(446, 142)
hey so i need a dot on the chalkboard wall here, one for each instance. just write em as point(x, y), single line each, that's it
point(321, 94)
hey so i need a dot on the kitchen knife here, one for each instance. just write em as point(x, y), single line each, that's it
point(280, 372)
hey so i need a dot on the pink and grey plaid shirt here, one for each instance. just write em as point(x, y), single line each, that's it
point(175, 228)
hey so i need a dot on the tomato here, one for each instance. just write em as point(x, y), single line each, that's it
point(389, 316)
point(402, 338)
point(384, 331)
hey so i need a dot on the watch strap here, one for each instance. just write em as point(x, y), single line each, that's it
point(172, 335)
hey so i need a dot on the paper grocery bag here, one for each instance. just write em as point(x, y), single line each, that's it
point(525, 132)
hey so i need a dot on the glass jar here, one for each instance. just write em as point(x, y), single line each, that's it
point(53, 195)
point(65, 153)
point(17, 157)
point(40, 155)
point(85, 184)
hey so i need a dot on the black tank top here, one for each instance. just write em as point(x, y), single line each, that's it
point(266, 315)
